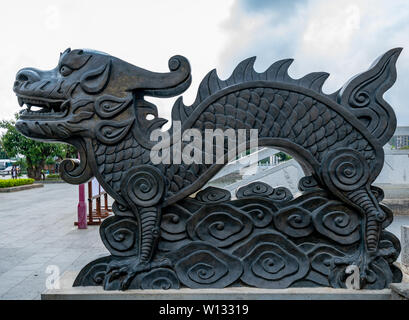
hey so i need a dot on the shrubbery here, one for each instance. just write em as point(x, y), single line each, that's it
point(36, 153)
point(53, 176)
point(6, 183)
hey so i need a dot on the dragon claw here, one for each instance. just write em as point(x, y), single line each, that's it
point(129, 268)
point(362, 260)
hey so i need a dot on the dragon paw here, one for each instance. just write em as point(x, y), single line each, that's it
point(125, 270)
point(362, 260)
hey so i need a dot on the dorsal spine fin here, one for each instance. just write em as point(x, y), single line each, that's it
point(277, 72)
point(314, 81)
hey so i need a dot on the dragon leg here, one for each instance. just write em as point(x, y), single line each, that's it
point(374, 215)
point(149, 219)
point(143, 189)
point(346, 174)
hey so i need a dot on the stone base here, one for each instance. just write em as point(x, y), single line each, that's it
point(67, 292)
point(400, 291)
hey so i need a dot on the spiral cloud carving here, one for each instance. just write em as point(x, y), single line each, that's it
point(271, 261)
point(346, 169)
point(120, 236)
point(199, 265)
point(219, 225)
point(144, 186)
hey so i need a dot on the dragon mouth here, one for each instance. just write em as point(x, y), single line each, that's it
point(41, 107)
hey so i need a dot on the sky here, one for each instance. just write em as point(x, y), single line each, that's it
point(342, 37)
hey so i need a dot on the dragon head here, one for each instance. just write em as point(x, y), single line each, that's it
point(92, 94)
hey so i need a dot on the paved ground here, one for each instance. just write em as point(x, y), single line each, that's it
point(36, 231)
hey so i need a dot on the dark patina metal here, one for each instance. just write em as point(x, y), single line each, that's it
point(162, 238)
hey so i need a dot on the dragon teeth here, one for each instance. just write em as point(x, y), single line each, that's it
point(64, 105)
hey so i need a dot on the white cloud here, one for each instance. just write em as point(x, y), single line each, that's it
point(334, 30)
point(341, 37)
point(145, 33)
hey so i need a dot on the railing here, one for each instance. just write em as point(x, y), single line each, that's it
point(102, 209)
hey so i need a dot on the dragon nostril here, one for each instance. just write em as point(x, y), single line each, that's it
point(28, 75)
point(22, 77)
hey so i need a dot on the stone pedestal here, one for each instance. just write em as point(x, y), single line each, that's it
point(400, 291)
point(67, 292)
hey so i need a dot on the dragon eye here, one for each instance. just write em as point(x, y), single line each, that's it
point(65, 71)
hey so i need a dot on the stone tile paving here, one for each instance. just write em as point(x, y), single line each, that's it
point(37, 230)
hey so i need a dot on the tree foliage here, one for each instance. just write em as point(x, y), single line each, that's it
point(3, 153)
point(35, 152)
point(283, 156)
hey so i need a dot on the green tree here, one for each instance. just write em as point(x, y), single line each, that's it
point(283, 156)
point(35, 152)
point(68, 151)
point(3, 153)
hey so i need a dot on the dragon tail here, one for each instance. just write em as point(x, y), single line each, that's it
point(363, 96)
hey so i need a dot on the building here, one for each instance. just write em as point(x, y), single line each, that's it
point(401, 138)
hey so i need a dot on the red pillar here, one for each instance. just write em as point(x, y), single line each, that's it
point(82, 207)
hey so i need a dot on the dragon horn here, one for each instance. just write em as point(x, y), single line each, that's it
point(163, 84)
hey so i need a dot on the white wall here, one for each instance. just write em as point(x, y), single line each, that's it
point(396, 167)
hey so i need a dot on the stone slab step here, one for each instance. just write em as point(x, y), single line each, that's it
point(67, 292)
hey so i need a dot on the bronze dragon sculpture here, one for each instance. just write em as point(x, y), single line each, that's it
point(160, 237)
